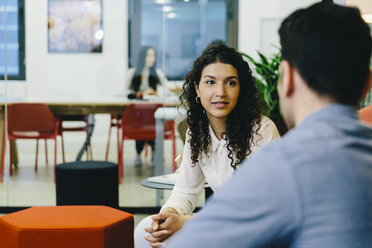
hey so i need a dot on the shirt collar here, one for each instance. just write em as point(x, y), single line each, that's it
point(215, 143)
point(333, 111)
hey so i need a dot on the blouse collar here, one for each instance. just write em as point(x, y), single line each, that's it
point(215, 142)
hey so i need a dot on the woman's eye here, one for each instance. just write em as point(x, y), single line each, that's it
point(230, 83)
point(209, 82)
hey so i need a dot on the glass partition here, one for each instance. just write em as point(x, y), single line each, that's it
point(73, 56)
point(4, 16)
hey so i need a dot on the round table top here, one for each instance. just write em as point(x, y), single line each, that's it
point(145, 182)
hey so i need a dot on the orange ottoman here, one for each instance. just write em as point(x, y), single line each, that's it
point(67, 227)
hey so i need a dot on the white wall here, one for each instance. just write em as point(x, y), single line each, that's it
point(365, 6)
point(259, 21)
point(100, 74)
point(73, 75)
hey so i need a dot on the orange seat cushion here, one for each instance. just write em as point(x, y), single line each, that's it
point(67, 227)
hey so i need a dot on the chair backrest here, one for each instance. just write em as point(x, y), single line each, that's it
point(30, 117)
point(138, 119)
point(365, 114)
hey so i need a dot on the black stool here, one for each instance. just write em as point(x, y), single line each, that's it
point(87, 183)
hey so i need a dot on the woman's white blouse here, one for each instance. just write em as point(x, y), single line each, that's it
point(162, 88)
point(213, 168)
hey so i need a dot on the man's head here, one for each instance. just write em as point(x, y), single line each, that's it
point(330, 48)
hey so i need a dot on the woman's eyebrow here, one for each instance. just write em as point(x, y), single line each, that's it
point(209, 76)
point(232, 77)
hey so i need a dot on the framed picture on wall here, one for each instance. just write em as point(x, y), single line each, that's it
point(75, 26)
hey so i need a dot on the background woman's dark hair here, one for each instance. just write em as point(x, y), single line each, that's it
point(153, 77)
point(240, 122)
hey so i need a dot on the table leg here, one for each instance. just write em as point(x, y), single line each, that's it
point(159, 155)
point(87, 140)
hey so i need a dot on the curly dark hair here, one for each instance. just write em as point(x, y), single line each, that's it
point(240, 122)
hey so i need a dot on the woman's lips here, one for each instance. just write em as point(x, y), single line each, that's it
point(220, 104)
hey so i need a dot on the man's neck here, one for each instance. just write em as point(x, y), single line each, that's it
point(310, 104)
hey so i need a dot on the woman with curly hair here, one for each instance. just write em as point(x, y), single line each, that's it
point(225, 128)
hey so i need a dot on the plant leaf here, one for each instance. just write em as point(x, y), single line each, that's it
point(263, 58)
point(267, 69)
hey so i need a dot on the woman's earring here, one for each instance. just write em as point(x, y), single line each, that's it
point(197, 99)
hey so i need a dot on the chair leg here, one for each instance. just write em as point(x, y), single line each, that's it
point(46, 152)
point(108, 141)
point(118, 128)
point(63, 149)
point(10, 158)
point(146, 149)
point(120, 160)
point(37, 153)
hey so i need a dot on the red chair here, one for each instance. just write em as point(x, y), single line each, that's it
point(30, 121)
point(138, 123)
point(115, 121)
point(365, 114)
point(79, 128)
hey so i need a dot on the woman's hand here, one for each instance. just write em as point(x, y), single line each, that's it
point(150, 91)
point(163, 226)
point(176, 90)
point(139, 95)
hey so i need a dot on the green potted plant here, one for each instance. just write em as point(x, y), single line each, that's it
point(267, 70)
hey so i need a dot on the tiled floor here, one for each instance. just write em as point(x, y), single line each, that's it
point(27, 188)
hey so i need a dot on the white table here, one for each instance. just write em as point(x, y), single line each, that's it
point(166, 186)
point(161, 115)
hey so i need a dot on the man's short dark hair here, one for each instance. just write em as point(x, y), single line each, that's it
point(330, 46)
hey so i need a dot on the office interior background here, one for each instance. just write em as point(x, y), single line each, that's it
point(76, 50)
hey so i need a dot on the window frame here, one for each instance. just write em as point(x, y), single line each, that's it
point(21, 49)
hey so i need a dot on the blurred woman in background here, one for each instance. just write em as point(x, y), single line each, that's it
point(142, 81)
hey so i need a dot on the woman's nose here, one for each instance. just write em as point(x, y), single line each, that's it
point(220, 90)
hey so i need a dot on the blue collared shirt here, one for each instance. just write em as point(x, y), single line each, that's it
point(312, 188)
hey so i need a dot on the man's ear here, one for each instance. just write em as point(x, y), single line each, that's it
point(287, 83)
point(368, 86)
